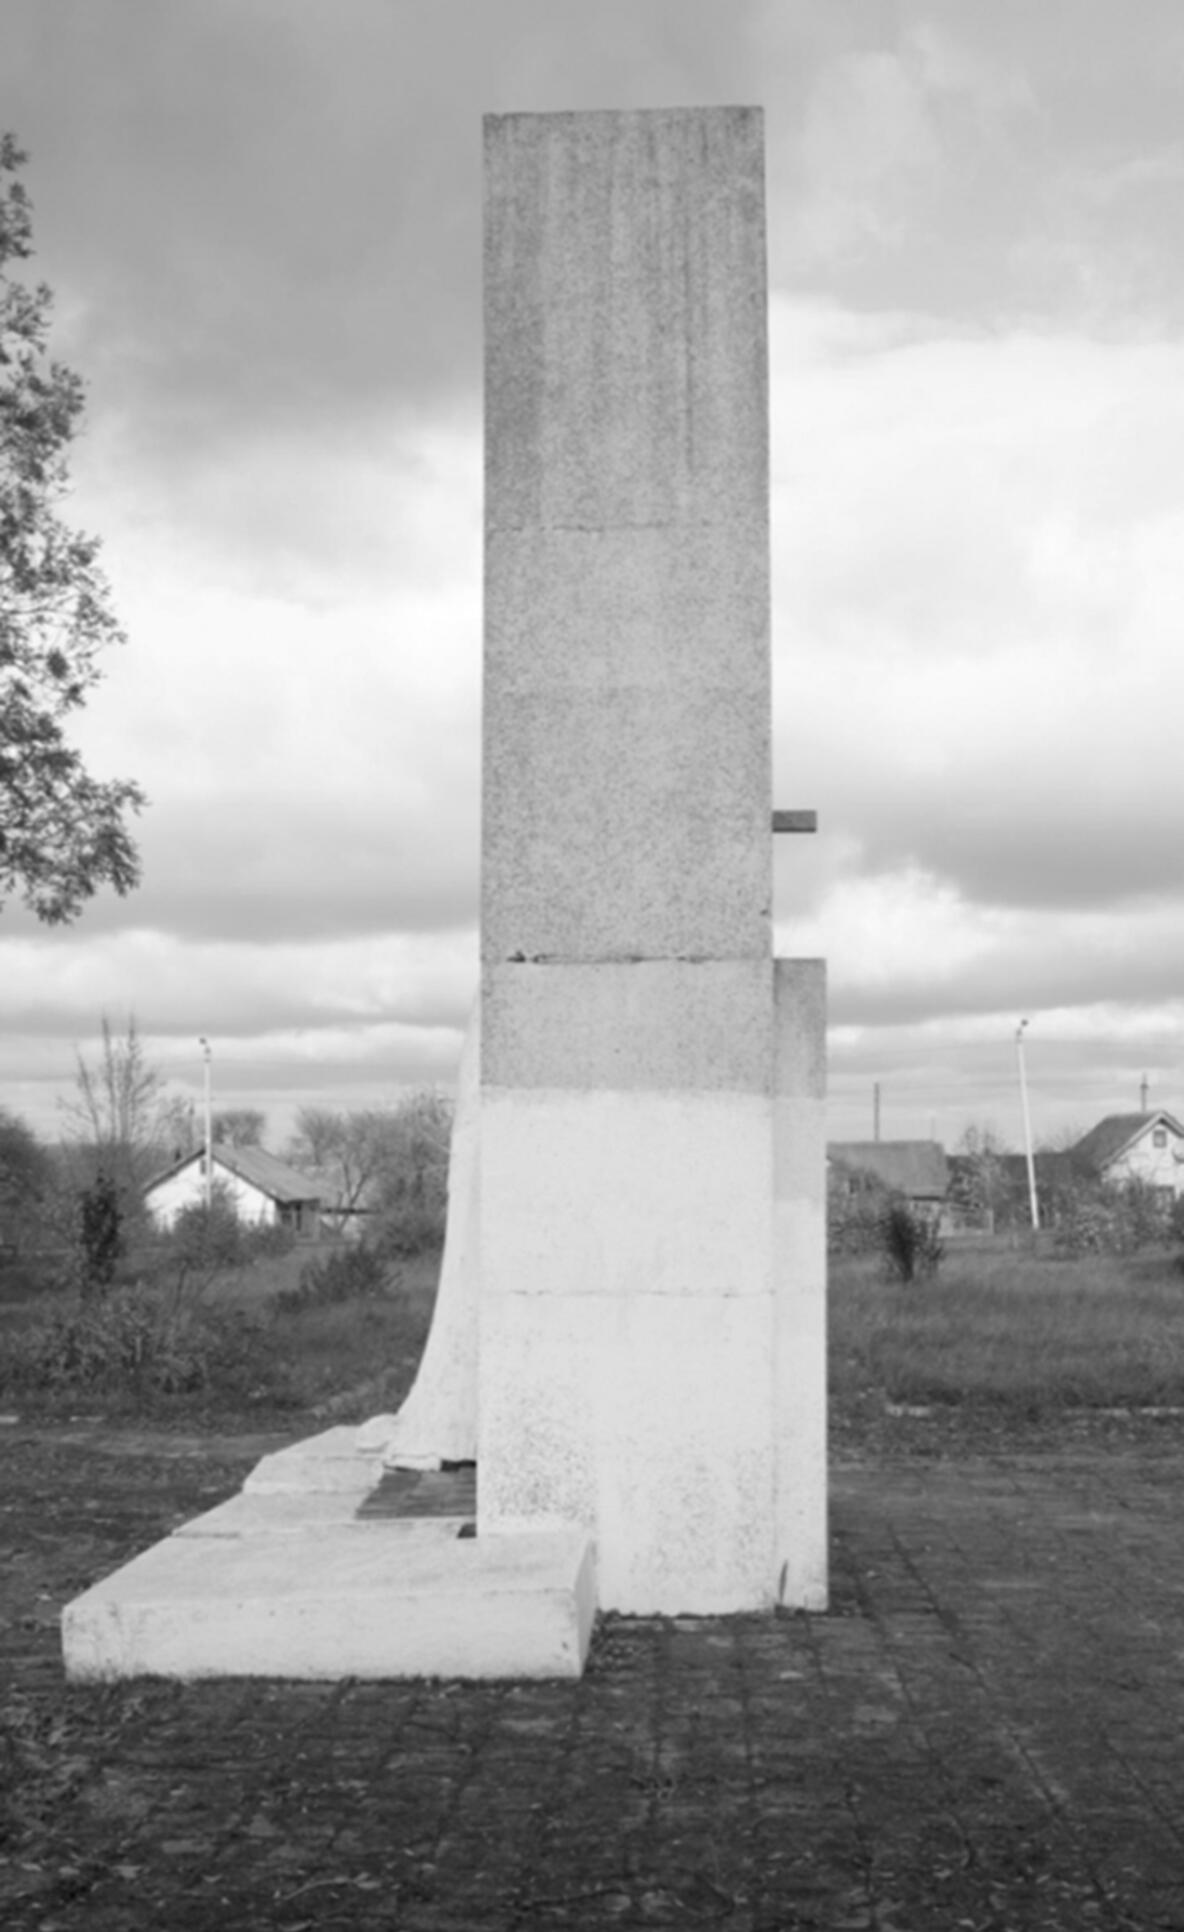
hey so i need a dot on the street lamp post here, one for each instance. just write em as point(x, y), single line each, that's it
point(209, 1126)
point(1033, 1202)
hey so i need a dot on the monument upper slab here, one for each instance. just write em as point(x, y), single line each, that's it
point(627, 542)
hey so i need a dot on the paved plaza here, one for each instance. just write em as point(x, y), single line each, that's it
point(986, 1731)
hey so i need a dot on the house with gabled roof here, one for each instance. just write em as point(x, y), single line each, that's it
point(916, 1169)
point(263, 1190)
point(1146, 1147)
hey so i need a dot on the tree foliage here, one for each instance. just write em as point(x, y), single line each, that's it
point(63, 833)
point(238, 1126)
point(26, 1180)
point(855, 1205)
point(978, 1177)
point(351, 1149)
point(100, 1233)
point(391, 1160)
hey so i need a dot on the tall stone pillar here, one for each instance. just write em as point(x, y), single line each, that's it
point(633, 1365)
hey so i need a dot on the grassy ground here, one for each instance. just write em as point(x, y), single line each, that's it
point(1031, 1334)
point(230, 1349)
point(997, 1333)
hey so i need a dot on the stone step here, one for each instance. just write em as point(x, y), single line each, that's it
point(277, 1585)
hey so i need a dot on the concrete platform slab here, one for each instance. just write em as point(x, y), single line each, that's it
point(288, 1513)
point(248, 1592)
point(330, 1461)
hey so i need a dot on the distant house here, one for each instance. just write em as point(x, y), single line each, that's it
point(1134, 1147)
point(265, 1191)
point(1056, 1171)
point(915, 1168)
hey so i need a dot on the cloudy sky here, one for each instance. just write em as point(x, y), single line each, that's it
point(261, 220)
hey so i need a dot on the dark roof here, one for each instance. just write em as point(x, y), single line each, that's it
point(256, 1166)
point(913, 1167)
point(266, 1172)
point(1055, 1167)
point(1115, 1135)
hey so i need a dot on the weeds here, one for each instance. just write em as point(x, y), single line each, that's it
point(134, 1342)
point(250, 1338)
point(1029, 1333)
point(344, 1274)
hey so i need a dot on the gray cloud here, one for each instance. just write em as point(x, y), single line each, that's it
point(272, 212)
point(1013, 840)
point(292, 869)
point(268, 212)
point(276, 1006)
point(262, 219)
point(1039, 974)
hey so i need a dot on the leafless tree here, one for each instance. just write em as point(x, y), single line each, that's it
point(350, 1149)
point(317, 1132)
point(123, 1121)
point(113, 1121)
point(378, 1156)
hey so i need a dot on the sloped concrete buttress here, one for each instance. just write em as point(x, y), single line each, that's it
point(437, 1423)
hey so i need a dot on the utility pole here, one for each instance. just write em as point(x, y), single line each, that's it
point(1019, 1054)
point(876, 1111)
point(209, 1122)
point(1143, 1095)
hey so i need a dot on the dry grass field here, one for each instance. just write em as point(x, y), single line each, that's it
point(1030, 1333)
point(996, 1329)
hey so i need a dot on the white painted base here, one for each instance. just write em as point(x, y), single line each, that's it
point(652, 1351)
point(645, 1421)
point(278, 1585)
point(627, 1334)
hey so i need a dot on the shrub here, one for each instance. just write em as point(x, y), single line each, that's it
point(100, 1233)
point(25, 1277)
point(1093, 1219)
point(911, 1247)
point(344, 1274)
point(203, 1242)
point(265, 1240)
point(855, 1206)
point(411, 1225)
point(206, 1237)
point(26, 1182)
point(132, 1341)
point(412, 1191)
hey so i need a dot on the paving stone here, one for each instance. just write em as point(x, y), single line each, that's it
point(987, 1731)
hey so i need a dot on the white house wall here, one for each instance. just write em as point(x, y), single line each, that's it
point(188, 1189)
point(1155, 1166)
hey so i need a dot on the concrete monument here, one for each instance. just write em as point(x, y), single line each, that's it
point(636, 1035)
point(630, 1329)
